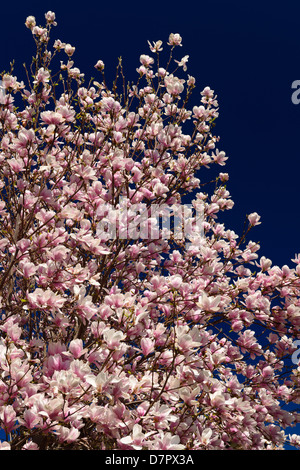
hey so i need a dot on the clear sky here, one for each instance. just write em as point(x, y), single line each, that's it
point(248, 52)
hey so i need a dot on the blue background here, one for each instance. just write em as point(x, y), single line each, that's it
point(248, 52)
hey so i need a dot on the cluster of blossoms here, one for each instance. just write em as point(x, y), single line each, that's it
point(142, 344)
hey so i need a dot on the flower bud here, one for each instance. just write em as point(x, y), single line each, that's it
point(30, 22)
point(99, 65)
point(254, 219)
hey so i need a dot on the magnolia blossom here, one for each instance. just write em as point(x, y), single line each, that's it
point(42, 76)
point(187, 340)
point(50, 117)
point(47, 298)
point(136, 439)
point(100, 380)
point(175, 39)
point(167, 441)
point(76, 348)
point(113, 338)
point(174, 85)
point(146, 60)
point(8, 417)
point(182, 62)
point(31, 419)
point(156, 47)
point(209, 304)
point(67, 435)
point(206, 437)
point(147, 346)
point(254, 218)
point(5, 445)
point(69, 50)
point(50, 17)
point(30, 22)
point(99, 65)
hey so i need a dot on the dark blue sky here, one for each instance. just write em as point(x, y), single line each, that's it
point(248, 52)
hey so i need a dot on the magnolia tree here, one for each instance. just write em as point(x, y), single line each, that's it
point(130, 317)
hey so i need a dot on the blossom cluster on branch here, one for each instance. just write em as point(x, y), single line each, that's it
point(121, 343)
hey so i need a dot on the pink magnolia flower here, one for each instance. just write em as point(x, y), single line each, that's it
point(100, 381)
point(146, 60)
point(189, 395)
point(206, 437)
point(30, 446)
point(265, 263)
point(161, 72)
point(28, 269)
point(136, 439)
point(65, 434)
point(50, 17)
point(99, 65)
point(147, 346)
point(9, 418)
point(156, 47)
point(254, 218)
point(294, 439)
point(58, 44)
point(30, 22)
point(42, 76)
point(66, 382)
point(174, 85)
point(248, 342)
point(207, 92)
point(45, 298)
point(166, 441)
point(182, 63)
point(16, 164)
point(69, 50)
point(209, 303)
point(25, 137)
point(67, 113)
point(113, 338)
point(30, 418)
point(76, 348)
point(175, 281)
point(51, 117)
point(175, 39)
point(5, 445)
point(218, 400)
point(41, 33)
point(160, 189)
